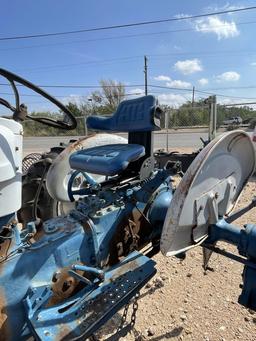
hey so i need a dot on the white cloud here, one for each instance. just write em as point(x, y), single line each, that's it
point(253, 64)
point(229, 76)
point(203, 81)
point(162, 78)
point(188, 66)
point(73, 98)
point(136, 92)
point(226, 7)
point(223, 29)
point(178, 84)
point(173, 100)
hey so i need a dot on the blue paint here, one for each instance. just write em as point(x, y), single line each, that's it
point(82, 315)
point(245, 240)
point(134, 115)
point(81, 241)
point(106, 160)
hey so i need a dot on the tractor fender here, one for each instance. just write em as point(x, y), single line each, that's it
point(60, 171)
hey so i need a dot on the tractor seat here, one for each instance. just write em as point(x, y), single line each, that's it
point(106, 160)
point(133, 115)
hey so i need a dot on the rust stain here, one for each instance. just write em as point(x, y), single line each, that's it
point(68, 150)
point(4, 329)
point(87, 226)
point(63, 286)
point(129, 266)
point(4, 247)
point(64, 334)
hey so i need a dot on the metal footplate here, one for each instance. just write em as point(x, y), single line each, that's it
point(82, 315)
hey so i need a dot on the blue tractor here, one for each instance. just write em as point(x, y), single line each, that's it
point(64, 278)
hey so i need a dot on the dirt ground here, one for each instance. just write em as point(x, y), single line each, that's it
point(183, 303)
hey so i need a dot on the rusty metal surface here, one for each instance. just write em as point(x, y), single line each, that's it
point(63, 286)
point(5, 332)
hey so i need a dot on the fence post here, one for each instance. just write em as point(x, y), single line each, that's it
point(85, 127)
point(212, 117)
point(214, 124)
point(167, 119)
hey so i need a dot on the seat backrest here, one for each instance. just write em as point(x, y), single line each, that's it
point(134, 115)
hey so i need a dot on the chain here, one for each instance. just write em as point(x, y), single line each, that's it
point(135, 307)
point(124, 318)
point(123, 330)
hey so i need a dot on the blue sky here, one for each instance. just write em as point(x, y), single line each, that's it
point(210, 53)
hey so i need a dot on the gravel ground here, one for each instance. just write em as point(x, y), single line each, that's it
point(183, 303)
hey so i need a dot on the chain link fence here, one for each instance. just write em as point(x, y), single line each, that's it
point(187, 117)
point(236, 116)
point(32, 128)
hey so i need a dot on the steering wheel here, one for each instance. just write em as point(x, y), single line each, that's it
point(20, 110)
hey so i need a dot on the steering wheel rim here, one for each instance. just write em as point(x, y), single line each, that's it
point(11, 77)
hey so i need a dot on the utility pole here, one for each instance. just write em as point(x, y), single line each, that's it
point(193, 96)
point(146, 74)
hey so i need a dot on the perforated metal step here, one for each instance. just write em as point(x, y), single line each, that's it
point(77, 319)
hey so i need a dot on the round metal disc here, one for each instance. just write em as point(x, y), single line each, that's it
point(208, 191)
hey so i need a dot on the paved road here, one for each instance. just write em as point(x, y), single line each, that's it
point(175, 140)
point(180, 140)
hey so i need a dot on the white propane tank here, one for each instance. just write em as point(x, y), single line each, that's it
point(11, 136)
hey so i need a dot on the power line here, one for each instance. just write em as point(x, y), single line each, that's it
point(67, 96)
point(234, 88)
point(170, 88)
point(130, 58)
point(133, 86)
point(122, 37)
point(77, 86)
point(200, 91)
point(235, 104)
point(222, 95)
point(102, 61)
point(142, 23)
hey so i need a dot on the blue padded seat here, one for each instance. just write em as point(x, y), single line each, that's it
point(134, 115)
point(106, 160)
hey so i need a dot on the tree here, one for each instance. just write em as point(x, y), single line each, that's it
point(101, 102)
point(75, 109)
point(108, 98)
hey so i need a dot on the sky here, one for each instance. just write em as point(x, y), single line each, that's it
point(216, 55)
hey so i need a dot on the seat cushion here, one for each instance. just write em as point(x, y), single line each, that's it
point(106, 160)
